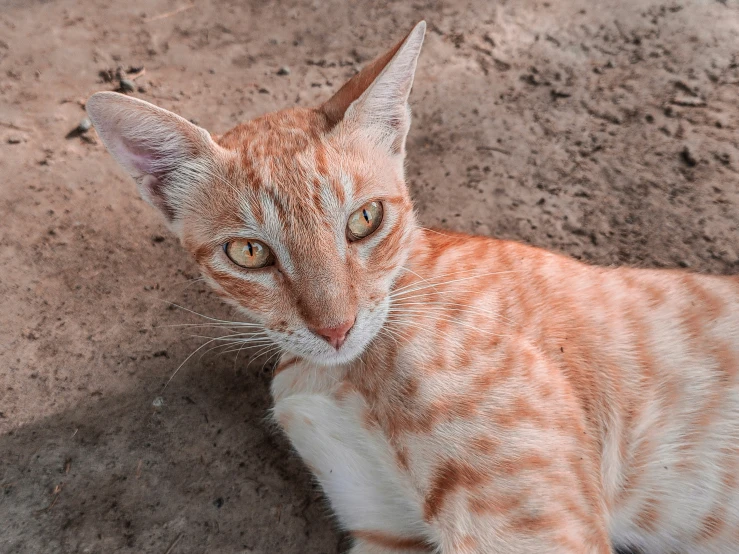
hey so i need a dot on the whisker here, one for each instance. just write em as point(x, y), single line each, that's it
point(414, 313)
point(216, 325)
point(450, 303)
point(201, 315)
point(277, 352)
point(426, 326)
point(389, 334)
point(261, 351)
point(464, 308)
point(437, 277)
point(216, 347)
point(401, 292)
point(241, 347)
point(186, 359)
point(190, 282)
point(435, 232)
point(246, 338)
point(244, 345)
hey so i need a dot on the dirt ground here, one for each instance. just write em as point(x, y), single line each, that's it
point(603, 129)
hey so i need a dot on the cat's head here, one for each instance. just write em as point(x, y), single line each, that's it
point(300, 218)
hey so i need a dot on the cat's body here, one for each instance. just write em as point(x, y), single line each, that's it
point(451, 393)
point(531, 417)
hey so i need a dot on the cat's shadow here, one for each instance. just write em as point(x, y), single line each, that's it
point(204, 469)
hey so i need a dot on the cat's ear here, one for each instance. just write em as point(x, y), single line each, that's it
point(376, 98)
point(164, 153)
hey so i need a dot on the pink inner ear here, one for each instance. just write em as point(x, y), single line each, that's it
point(146, 161)
point(142, 159)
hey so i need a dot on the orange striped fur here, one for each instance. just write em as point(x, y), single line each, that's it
point(489, 396)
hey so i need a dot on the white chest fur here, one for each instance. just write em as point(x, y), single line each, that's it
point(323, 418)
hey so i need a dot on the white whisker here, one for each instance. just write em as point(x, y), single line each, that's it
point(401, 292)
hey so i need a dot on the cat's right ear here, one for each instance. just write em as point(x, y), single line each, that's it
point(164, 153)
point(376, 99)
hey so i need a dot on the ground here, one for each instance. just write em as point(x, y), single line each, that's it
point(606, 130)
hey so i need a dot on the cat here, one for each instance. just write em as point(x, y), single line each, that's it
point(450, 393)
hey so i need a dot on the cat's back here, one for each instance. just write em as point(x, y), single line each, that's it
point(657, 353)
point(651, 358)
point(671, 470)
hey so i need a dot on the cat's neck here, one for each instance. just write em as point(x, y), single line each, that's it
point(441, 257)
point(443, 268)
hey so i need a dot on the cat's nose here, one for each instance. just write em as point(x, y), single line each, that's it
point(335, 336)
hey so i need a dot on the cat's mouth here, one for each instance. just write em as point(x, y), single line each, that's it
point(309, 345)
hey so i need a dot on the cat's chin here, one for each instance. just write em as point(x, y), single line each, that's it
point(342, 356)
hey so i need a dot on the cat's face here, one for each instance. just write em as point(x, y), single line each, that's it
point(327, 216)
point(300, 218)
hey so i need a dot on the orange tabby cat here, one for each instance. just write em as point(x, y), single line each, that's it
point(451, 393)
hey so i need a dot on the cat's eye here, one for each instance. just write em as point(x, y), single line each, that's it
point(249, 253)
point(364, 221)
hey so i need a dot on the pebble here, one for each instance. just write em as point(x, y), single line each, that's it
point(14, 140)
point(284, 70)
point(688, 158)
point(690, 101)
point(158, 402)
point(127, 85)
point(84, 125)
point(484, 230)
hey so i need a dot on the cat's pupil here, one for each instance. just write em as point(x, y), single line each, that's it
point(366, 216)
point(251, 249)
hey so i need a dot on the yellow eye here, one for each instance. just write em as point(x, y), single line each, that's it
point(249, 253)
point(364, 221)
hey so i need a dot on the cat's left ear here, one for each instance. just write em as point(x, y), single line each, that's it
point(376, 99)
point(165, 154)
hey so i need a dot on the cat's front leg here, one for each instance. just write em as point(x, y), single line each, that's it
point(353, 463)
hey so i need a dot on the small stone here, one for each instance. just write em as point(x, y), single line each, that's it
point(158, 402)
point(284, 70)
point(127, 85)
point(690, 101)
point(158, 238)
point(14, 140)
point(556, 94)
point(141, 89)
point(263, 91)
point(84, 126)
point(683, 263)
point(688, 158)
point(218, 502)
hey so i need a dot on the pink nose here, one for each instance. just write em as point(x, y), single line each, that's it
point(335, 336)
